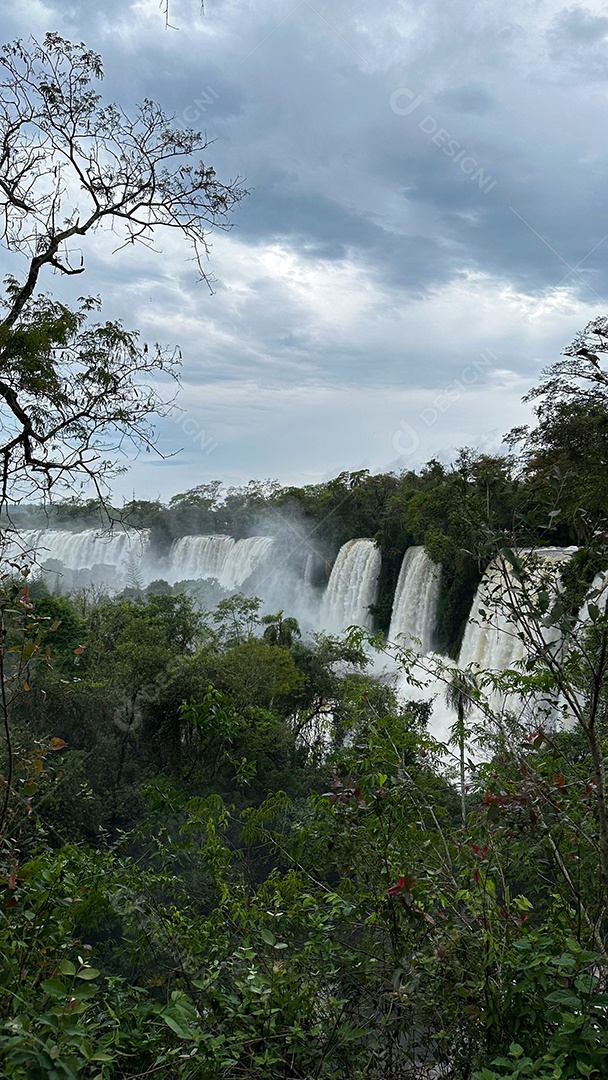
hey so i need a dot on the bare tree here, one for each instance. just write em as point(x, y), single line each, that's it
point(73, 391)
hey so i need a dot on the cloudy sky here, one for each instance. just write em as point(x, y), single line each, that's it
point(426, 226)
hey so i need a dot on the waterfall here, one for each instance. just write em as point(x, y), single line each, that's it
point(491, 639)
point(415, 602)
point(121, 553)
point(309, 568)
point(597, 595)
point(230, 561)
point(351, 587)
point(194, 557)
point(76, 550)
point(246, 556)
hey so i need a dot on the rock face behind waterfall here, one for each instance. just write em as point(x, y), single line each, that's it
point(352, 587)
point(415, 606)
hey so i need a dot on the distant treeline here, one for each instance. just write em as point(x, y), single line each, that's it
point(439, 507)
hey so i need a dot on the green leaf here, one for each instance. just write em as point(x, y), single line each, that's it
point(88, 973)
point(84, 992)
point(66, 967)
point(267, 936)
point(176, 1023)
point(564, 997)
point(54, 988)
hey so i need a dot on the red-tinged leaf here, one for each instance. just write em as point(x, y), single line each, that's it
point(58, 744)
point(55, 625)
point(12, 880)
point(26, 686)
point(559, 780)
point(488, 798)
point(79, 651)
point(476, 876)
point(404, 884)
point(11, 903)
point(480, 852)
point(429, 918)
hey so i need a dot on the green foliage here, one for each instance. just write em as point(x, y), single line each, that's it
point(229, 851)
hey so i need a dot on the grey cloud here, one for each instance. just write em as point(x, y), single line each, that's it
point(577, 40)
point(339, 178)
point(470, 98)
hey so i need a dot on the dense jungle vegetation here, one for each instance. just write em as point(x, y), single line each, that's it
point(227, 851)
point(231, 852)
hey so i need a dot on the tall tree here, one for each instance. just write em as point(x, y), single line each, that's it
point(74, 391)
point(568, 448)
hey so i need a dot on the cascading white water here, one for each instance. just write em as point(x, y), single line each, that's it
point(597, 595)
point(309, 568)
point(230, 561)
point(415, 603)
point(246, 556)
point(195, 557)
point(125, 553)
point(492, 639)
point(80, 549)
point(352, 586)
